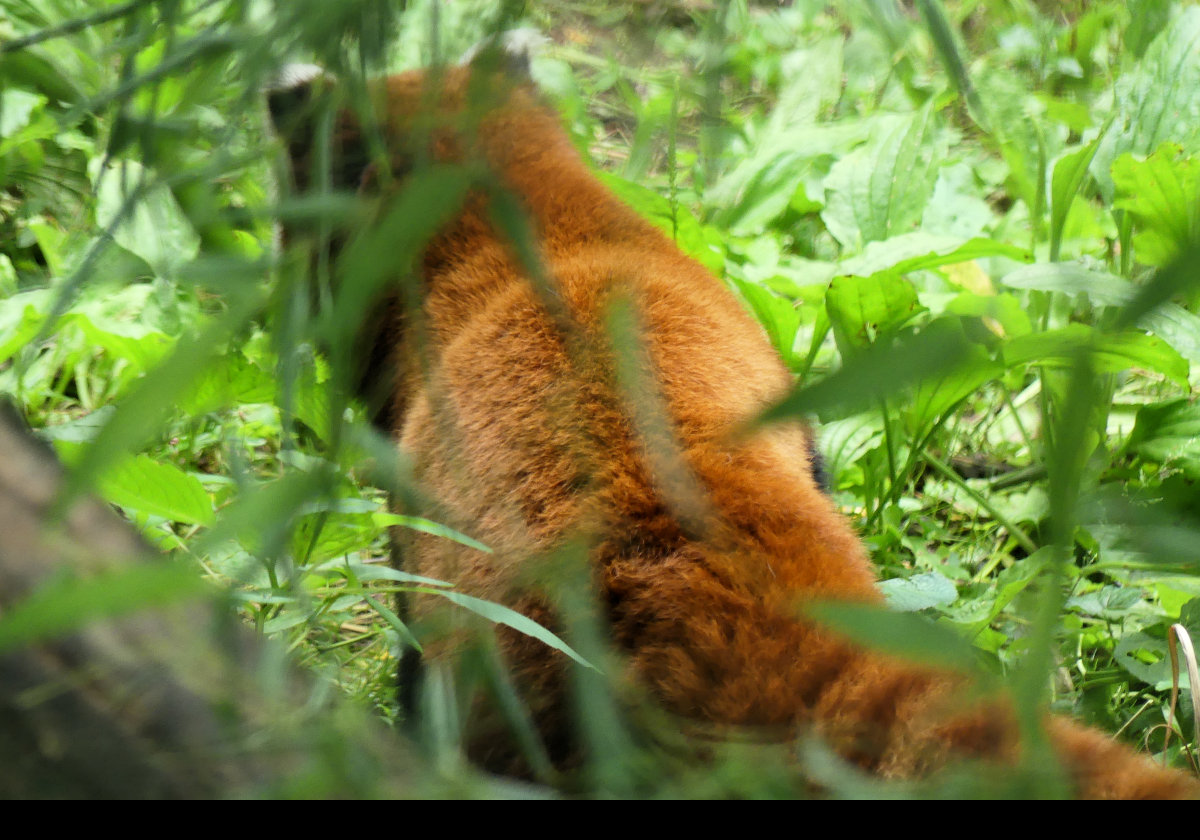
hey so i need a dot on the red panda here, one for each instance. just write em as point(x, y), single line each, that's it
point(530, 428)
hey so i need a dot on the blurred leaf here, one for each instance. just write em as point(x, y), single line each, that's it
point(16, 107)
point(499, 614)
point(427, 199)
point(769, 192)
point(80, 430)
point(154, 227)
point(791, 154)
point(1000, 315)
point(426, 527)
point(901, 634)
point(65, 604)
point(883, 369)
point(935, 396)
point(377, 571)
point(1178, 278)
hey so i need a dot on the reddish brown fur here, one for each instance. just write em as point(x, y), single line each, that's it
point(703, 544)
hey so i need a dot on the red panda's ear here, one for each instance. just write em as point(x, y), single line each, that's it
point(302, 103)
point(511, 52)
point(294, 102)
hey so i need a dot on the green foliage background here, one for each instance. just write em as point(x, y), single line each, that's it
point(970, 228)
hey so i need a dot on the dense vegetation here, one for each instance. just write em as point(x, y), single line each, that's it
point(970, 228)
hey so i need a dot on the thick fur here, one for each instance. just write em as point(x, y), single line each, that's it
point(528, 430)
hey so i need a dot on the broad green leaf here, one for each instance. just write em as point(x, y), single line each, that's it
point(159, 489)
point(1101, 287)
point(880, 190)
point(65, 604)
point(919, 592)
point(16, 106)
point(500, 614)
point(1146, 658)
point(1174, 593)
point(901, 634)
point(1168, 433)
point(1110, 602)
point(769, 192)
point(789, 155)
point(154, 227)
point(1112, 353)
point(862, 309)
point(845, 441)
point(229, 380)
point(285, 620)
point(1157, 102)
point(1189, 617)
point(920, 251)
point(957, 207)
point(1170, 322)
point(1178, 327)
point(1012, 582)
point(1162, 194)
point(142, 348)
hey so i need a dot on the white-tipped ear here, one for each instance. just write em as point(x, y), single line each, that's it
point(290, 97)
point(295, 75)
point(518, 45)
